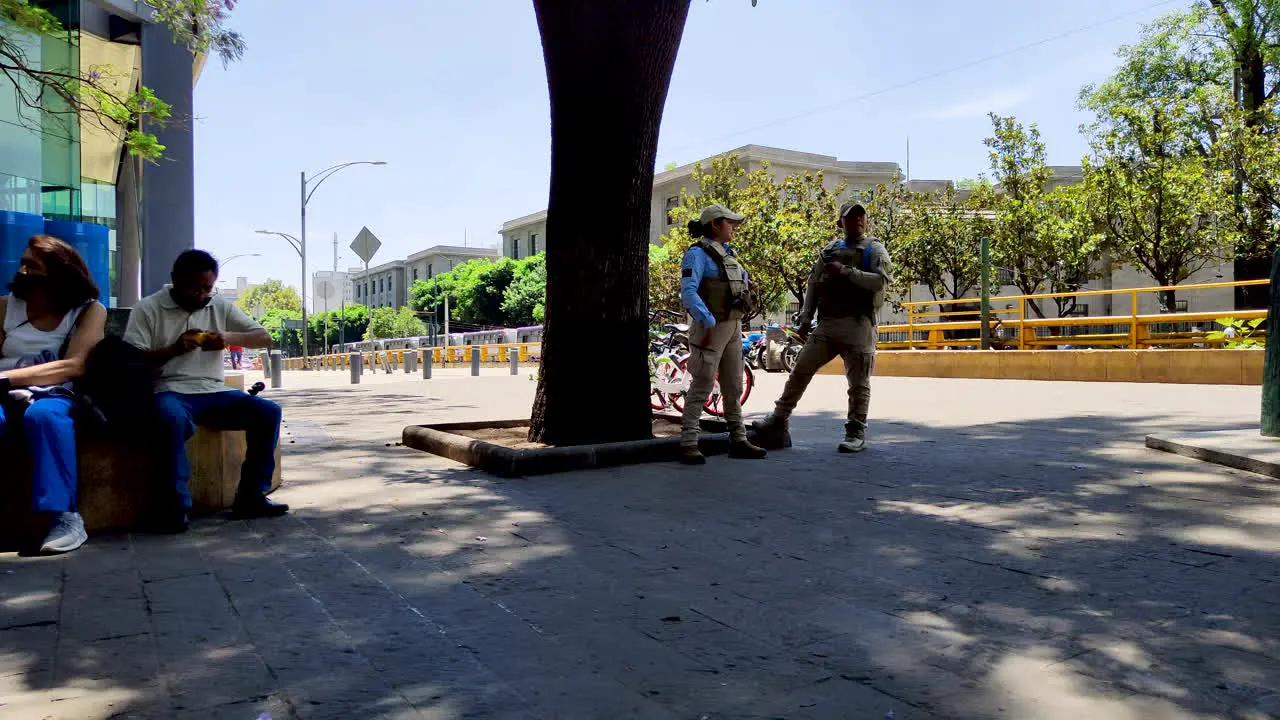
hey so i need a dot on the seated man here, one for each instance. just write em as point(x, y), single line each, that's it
point(184, 329)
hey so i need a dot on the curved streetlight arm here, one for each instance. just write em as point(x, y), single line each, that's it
point(293, 241)
point(319, 178)
point(226, 261)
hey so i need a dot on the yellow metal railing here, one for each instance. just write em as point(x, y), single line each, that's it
point(439, 356)
point(1011, 328)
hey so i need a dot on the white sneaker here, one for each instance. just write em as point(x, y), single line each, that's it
point(853, 444)
point(67, 534)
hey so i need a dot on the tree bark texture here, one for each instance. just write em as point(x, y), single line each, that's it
point(1271, 360)
point(609, 67)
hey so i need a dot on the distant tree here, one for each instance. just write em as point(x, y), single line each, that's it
point(336, 326)
point(940, 250)
point(382, 324)
point(1023, 240)
point(270, 295)
point(1165, 210)
point(407, 324)
point(289, 341)
point(664, 276)
point(524, 301)
point(1215, 60)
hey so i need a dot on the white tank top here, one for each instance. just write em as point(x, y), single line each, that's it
point(21, 338)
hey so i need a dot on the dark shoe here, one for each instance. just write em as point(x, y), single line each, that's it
point(257, 506)
point(772, 433)
point(744, 450)
point(692, 456)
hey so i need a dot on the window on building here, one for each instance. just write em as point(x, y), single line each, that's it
point(672, 202)
point(533, 243)
point(415, 274)
point(381, 285)
point(515, 248)
point(430, 273)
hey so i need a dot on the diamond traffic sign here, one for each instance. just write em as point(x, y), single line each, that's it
point(365, 246)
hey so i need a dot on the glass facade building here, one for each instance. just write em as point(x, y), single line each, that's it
point(72, 166)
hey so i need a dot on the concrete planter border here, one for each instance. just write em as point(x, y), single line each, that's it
point(444, 440)
point(1204, 366)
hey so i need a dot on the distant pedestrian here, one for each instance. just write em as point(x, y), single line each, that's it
point(237, 356)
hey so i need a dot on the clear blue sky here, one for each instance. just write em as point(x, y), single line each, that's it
point(452, 94)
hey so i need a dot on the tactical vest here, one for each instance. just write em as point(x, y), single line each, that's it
point(719, 293)
point(841, 298)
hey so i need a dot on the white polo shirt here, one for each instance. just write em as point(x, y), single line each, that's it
point(157, 322)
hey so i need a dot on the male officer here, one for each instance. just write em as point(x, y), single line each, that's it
point(846, 288)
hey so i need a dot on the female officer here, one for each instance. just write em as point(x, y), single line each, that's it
point(713, 286)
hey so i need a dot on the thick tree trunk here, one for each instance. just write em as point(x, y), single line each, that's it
point(1255, 263)
point(608, 69)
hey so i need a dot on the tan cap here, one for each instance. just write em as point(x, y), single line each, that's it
point(849, 206)
point(711, 213)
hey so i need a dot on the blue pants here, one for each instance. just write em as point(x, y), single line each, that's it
point(50, 437)
point(231, 410)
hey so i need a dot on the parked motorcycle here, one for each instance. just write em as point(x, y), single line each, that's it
point(751, 349)
point(758, 356)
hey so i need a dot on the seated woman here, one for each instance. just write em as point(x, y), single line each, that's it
point(51, 320)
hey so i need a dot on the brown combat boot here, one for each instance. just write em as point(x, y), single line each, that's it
point(744, 450)
point(692, 456)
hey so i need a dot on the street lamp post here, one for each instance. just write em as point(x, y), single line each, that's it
point(305, 197)
point(297, 247)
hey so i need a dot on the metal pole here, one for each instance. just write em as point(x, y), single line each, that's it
point(1271, 358)
point(513, 354)
point(303, 242)
point(342, 302)
point(985, 335)
point(428, 356)
point(357, 367)
point(475, 360)
point(276, 360)
point(411, 362)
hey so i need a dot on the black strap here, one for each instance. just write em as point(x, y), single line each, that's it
point(66, 344)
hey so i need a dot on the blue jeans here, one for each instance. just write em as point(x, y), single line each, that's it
point(230, 410)
point(50, 436)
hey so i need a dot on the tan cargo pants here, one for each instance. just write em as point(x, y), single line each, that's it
point(829, 341)
point(723, 356)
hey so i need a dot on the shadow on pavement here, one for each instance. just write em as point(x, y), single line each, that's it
point(1041, 569)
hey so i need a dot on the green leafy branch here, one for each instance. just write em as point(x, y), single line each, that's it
point(1237, 334)
point(95, 93)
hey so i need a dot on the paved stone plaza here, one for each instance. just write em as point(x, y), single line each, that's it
point(1004, 550)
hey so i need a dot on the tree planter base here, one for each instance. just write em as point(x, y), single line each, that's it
point(448, 441)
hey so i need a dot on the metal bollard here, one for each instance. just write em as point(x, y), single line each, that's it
point(357, 368)
point(475, 362)
point(513, 354)
point(411, 362)
point(428, 357)
point(277, 367)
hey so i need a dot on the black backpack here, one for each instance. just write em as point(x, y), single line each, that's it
point(116, 394)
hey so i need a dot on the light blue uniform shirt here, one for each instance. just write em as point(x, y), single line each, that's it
point(697, 264)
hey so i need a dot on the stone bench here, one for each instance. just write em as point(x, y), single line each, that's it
point(116, 479)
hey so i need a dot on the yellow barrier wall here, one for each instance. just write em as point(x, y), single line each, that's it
point(1189, 367)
